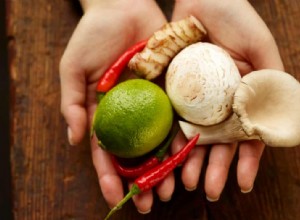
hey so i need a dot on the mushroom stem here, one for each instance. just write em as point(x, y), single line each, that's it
point(228, 131)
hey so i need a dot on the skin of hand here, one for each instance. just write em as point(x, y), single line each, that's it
point(235, 26)
point(106, 29)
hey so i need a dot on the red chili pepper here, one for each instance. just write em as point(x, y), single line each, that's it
point(111, 75)
point(133, 172)
point(151, 178)
point(136, 171)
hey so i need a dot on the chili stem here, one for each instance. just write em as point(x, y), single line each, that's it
point(160, 154)
point(133, 191)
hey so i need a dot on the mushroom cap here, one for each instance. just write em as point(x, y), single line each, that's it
point(267, 103)
point(200, 82)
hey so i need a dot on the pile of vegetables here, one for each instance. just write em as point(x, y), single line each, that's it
point(207, 92)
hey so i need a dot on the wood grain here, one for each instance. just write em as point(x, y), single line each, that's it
point(52, 180)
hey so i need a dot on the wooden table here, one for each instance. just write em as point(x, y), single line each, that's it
point(52, 180)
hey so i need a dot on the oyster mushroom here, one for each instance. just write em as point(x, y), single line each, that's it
point(200, 83)
point(266, 106)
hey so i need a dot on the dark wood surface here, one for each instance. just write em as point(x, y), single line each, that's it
point(52, 180)
point(5, 183)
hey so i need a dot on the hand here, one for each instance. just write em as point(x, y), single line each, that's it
point(235, 26)
point(106, 29)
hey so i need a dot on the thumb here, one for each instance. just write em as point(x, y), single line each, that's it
point(265, 54)
point(73, 98)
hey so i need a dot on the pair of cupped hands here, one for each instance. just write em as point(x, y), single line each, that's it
point(107, 29)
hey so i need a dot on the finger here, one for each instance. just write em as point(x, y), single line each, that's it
point(143, 201)
point(178, 142)
point(110, 182)
point(263, 51)
point(166, 188)
point(250, 153)
point(217, 170)
point(265, 54)
point(73, 95)
point(192, 167)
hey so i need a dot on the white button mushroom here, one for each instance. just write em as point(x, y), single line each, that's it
point(200, 82)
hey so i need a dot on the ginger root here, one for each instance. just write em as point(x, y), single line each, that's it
point(164, 45)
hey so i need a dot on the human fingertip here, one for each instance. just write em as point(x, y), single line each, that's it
point(190, 189)
point(212, 199)
point(70, 137)
point(247, 190)
point(167, 199)
point(144, 212)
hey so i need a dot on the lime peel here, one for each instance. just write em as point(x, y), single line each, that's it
point(133, 118)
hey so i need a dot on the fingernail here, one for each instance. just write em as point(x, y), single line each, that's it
point(165, 199)
point(70, 137)
point(211, 199)
point(144, 212)
point(247, 190)
point(190, 189)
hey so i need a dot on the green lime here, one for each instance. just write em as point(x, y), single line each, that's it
point(133, 118)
